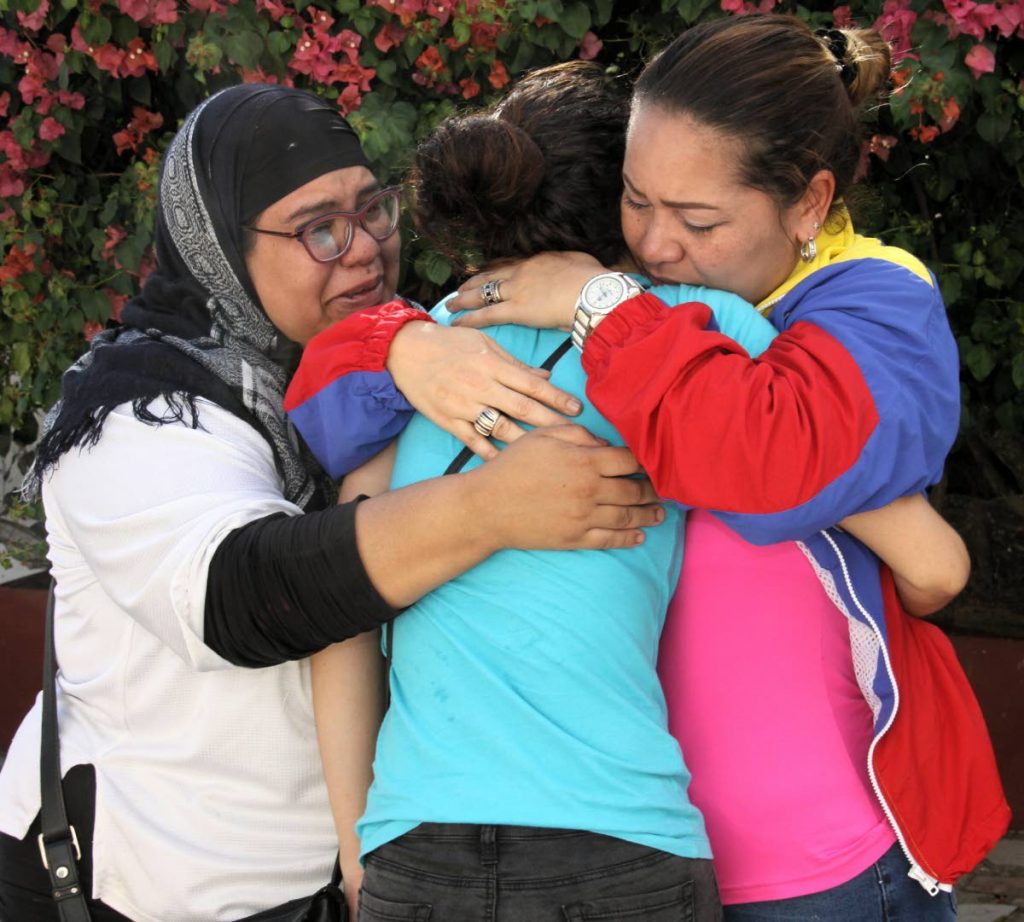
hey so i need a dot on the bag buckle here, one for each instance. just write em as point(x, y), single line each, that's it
point(74, 841)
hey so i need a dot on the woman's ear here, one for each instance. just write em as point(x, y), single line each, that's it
point(810, 212)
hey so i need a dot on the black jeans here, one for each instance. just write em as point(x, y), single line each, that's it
point(25, 894)
point(453, 872)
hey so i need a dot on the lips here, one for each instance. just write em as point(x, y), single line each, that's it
point(367, 294)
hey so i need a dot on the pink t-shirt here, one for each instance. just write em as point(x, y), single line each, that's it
point(755, 662)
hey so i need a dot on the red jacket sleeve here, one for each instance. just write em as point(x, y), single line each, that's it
point(714, 428)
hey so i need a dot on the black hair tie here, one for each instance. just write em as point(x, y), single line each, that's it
point(837, 45)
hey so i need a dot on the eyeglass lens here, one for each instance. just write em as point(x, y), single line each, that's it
point(331, 237)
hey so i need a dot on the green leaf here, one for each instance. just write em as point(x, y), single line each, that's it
point(1018, 371)
point(980, 361)
point(21, 361)
point(994, 126)
point(96, 30)
point(575, 19)
point(551, 9)
point(244, 48)
point(95, 305)
point(280, 43)
point(434, 267)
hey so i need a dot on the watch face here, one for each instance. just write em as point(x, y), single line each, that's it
point(604, 292)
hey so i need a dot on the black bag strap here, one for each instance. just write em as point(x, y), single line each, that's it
point(58, 841)
point(462, 458)
point(458, 463)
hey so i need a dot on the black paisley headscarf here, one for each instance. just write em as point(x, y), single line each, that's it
point(198, 329)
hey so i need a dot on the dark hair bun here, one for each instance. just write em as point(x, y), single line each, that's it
point(473, 173)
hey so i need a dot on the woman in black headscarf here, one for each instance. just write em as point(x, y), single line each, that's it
point(191, 533)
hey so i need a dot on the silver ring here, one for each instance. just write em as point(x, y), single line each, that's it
point(491, 292)
point(486, 420)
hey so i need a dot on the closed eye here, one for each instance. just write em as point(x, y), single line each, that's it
point(633, 203)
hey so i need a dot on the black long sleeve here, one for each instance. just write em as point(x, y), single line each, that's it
point(283, 587)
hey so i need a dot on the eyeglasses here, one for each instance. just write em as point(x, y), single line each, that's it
point(328, 236)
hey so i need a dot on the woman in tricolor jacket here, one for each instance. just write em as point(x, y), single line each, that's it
point(742, 145)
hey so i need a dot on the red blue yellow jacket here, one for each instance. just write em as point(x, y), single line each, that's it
point(854, 404)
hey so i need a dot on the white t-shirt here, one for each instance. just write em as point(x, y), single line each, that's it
point(210, 802)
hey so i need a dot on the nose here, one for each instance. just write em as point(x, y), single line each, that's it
point(363, 249)
point(661, 243)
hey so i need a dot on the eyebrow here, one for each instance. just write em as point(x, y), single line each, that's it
point(669, 202)
point(327, 205)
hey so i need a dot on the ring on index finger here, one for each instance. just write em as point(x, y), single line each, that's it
point(486, 420)
point(491, 292)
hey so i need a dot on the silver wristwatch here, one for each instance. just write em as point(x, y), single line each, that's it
point(599, 297)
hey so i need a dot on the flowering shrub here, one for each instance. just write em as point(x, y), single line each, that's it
point(91, 93)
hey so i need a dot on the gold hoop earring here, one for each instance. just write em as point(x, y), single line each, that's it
point(809, 250)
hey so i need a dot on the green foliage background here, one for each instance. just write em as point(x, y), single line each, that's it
point(90, 94)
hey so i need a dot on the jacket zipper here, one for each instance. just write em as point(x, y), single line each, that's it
point(929, 883)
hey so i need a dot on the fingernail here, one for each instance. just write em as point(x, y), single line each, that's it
point(638, 538)
point(574, 406)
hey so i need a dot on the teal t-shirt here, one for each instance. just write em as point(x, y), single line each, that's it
point(524, 691)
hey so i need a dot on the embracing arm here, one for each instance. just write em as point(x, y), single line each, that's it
point(928, 559)
point(855, 403)
point(284, 588)
point(348, 397)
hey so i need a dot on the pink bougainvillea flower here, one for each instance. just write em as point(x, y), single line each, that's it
point(5, 102)
point(138, 59)
point(57, 43)
point(275, 8)
point(441, 10)
point(136, 9)
point(313, 58)
point(925, 133)
point(842, 17)
point(590, 47)
point(349, 99)
point(354, 75)
point(430, 61)
point(109, 58)
point(980, 60)
point(498, 76)
point(141, 123)
point(71, 100)
point(117, 300)
point(390, 36)
point(484, 35)
point(90, 329)
point(950, 114)
point(33, 22)
point(208, 6)
point(348, 43)
point(31, 89)
point(51, 129)
point(11, 184)
point(17, 263)
point(470, 88)
point(9, 45)
point(261, 76)
point(1005, 18)
point(741, 8)
point(406, 10)
point(114, 234)
point(881, 145)
point(320, 20)
point(896, 23)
